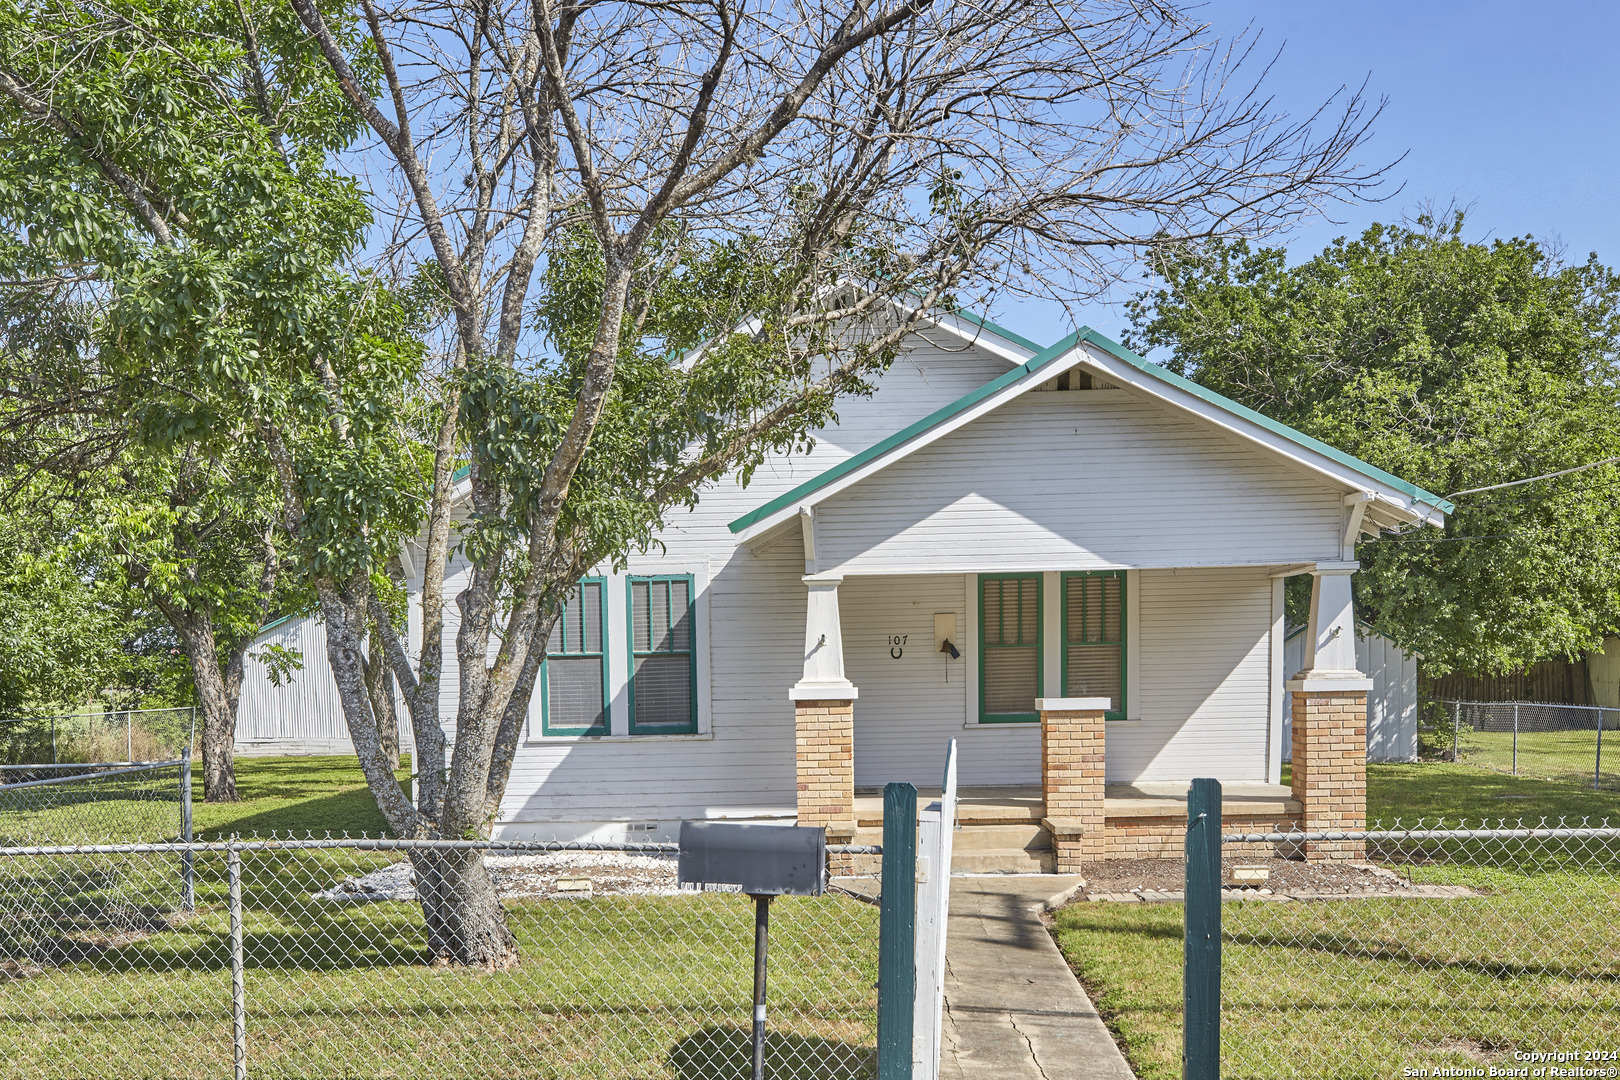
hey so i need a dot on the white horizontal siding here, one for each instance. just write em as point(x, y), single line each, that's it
point(755, 636)
point(921, 381)
point(1205, 658)
point(1079, 480)
point(910, 708)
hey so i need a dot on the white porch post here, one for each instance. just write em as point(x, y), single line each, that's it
point(823, 646)
point(1329, 773)
point(1330, 636)
point(824, 718)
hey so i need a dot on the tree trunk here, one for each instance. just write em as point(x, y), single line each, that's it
point(466, 924)
point(215, 700)
point(380, 689)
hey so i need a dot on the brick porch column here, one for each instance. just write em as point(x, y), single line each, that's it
point(1330, 718)
point(824, 741)
point(824, 718)
point(1330, 765)
point(1072, 774)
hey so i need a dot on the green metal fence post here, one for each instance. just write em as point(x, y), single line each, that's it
point(1201, 970)
point(897, 933)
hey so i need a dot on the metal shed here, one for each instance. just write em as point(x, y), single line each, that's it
point(1392, 705)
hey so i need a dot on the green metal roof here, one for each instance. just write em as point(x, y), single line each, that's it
point(1044, 357)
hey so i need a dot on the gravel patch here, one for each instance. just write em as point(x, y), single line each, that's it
point(530, 877)
point(1287, 876)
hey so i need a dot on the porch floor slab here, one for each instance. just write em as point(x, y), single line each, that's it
point(1013, 1009)
point(1024, 805)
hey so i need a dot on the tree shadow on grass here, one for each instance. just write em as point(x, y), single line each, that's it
point(353, 812)
point(727, 1053)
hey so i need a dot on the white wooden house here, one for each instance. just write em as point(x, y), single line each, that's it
point(1001, 535)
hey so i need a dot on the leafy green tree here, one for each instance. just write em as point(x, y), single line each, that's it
point(62, 632)
point(1455, 365)
point(71, 634)
point(164, 200)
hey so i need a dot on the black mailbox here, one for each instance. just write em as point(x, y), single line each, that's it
point(762, 860)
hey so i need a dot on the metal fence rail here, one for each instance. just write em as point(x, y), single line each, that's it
point(98, 802)
point(1429, 948)
point(1526, 738)
point(310, 957)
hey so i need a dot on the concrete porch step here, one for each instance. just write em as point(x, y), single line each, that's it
point(980, 838)
point(974, 805)
point(990, 849)
point(1004, 862)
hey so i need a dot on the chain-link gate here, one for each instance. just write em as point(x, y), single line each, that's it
point(96, 803)
point(106, 958)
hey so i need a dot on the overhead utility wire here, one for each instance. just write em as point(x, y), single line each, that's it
point(1532, 479)
point(1402, 534)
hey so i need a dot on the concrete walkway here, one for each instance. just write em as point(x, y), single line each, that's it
point(1013, 1010)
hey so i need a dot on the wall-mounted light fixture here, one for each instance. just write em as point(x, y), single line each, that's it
point(945, 635)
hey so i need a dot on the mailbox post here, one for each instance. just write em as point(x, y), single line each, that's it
point(764, 861)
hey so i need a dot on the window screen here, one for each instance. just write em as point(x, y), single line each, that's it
point(662, 692)
point(575, 701)
point(1009, 647)
point(1094, 638)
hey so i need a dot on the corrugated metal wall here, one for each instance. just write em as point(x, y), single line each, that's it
point(1392, 705)
point(303, 715)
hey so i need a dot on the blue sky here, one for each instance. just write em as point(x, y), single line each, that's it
point(1512, 109)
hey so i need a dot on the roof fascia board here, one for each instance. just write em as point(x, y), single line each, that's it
point(977, 330)
point(936, 425)
point(1121, 365)
point(971, 328)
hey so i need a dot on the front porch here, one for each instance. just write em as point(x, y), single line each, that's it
point(1104, 782)
point(1003, 830)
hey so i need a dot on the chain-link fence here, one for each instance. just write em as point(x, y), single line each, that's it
point(1435, 949)
point(314, 958)
point(1573, 743)
point(95, 803)
point(123, 735)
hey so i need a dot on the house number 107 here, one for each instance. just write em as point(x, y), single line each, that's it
point(897, 644)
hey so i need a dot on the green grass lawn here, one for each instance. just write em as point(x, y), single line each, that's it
point(292, 794)
point(283, 795)
point(1568, 756)
point(96, 968)
point(1434, 790)
point(607, 987)
point(1364, 988)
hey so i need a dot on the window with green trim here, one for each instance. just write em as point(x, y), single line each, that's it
point(1094, 637)
point(663, 657)
point(1009, 648)
point(573, 676)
